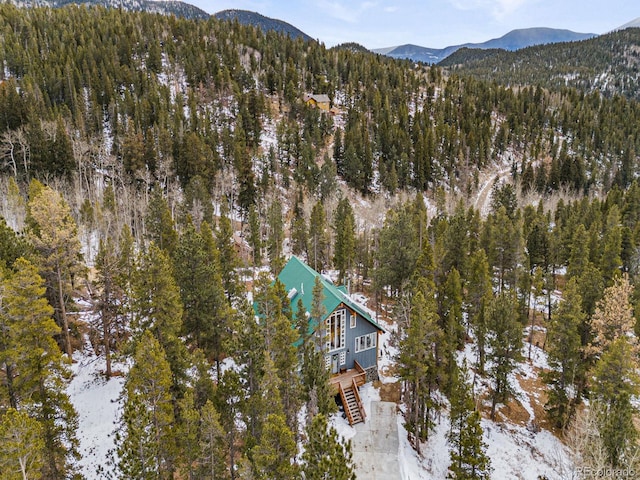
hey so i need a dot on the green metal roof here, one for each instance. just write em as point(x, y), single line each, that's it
point(299, 276)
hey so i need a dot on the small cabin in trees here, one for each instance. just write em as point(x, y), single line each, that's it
point(320, 101)
point(350, 334)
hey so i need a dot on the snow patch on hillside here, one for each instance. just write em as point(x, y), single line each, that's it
point(98, 404)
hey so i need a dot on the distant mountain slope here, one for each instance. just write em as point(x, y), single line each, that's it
point(631, 24)
point(246, 17)
point(169, 7)
point(609, 63)
point(514, 40)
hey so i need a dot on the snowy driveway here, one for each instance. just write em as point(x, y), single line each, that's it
point(375, 445)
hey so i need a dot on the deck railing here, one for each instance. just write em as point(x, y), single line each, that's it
point(358, 400)
point(361, 377)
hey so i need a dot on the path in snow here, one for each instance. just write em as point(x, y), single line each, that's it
point(483, 199)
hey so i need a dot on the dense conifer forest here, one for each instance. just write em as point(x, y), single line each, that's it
point(158, 172)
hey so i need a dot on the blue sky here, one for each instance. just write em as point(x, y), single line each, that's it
point(433, 23)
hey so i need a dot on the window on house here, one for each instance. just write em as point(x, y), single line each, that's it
point(352, 320)
point(366, 342)
point(343, 357)
point(335, 330)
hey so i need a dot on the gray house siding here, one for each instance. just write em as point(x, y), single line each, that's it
point(366, 358)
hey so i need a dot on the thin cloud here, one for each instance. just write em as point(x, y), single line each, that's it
point(340, 11)
point(498, 8)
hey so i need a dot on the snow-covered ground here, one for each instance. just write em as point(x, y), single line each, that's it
point(97, 402)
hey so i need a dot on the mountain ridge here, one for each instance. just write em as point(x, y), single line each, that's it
point(165, 7)
point(263, 22)
point(511, 41)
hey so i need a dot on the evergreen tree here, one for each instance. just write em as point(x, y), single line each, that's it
point(110, 303)
point(159, 223)
point(565, 353)
point(616, 382)
point(325, 456)
point(229, 260)
point(206, 312)
point(318, 248)
point(418, 363)
point(451, 321)
point(22, 452)
point(146, 444)
point(157, 309)
point(35, 374)
point(54, 234)
point(12, 246)
point(299, 237)
point(478, 295)
point(275, 237)
point(255, 236)
point(228, 402)
point(468, 455)
point(505, 342)
point(315, 375)
point(274, 456)
point(398, 250)
point(212, 440)
point(611, 262)
point(188, 436)
point(345, 238)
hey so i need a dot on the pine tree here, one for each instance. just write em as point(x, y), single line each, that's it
point(275, 236)
point(417, 363)
point(35, 374)
point(299, 237)
point(146, 442)
point(228, 402)
point(325, 456)
point(157, 309)
point(451, 321)
point(345, 238)
point(616, 382)
point(565, 353)
point(255, 235)
point(188, 437)
point(54, 234)
point(212, 440)
point(111, 300)
point(229, 260)
point(206, 311)
point(398, 250)
point(478, 295)
point(12, 246)
point(159, 223)
point(315, 375)
point(318, 248)
point(468, 455)
point(505, 342)
point(274, 456)
point(22, 452)
point(611, 262)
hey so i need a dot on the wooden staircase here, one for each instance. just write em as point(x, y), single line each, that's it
point(352, 403)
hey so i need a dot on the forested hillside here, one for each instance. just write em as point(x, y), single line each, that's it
point(156, 174)
point(607, 64)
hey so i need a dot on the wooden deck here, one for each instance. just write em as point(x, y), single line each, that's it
point(347, 378)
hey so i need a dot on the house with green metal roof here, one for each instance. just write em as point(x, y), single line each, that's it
point(350, 333)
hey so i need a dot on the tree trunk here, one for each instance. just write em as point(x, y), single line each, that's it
point(63, 314)
point(13, 401)
point(106, 324)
